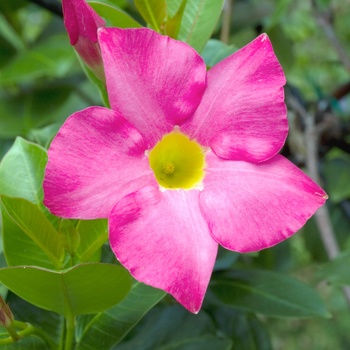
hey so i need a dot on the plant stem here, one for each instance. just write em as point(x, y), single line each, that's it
point(70, 331)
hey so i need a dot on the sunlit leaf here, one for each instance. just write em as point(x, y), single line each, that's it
point(153, 11)
point(22, 171)
point(199, 21)
point(28, 217)
point(114, 16)
point(83, 289)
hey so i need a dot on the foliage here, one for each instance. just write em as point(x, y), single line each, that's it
point(60, 276)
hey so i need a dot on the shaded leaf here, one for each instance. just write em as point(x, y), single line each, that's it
point(109, 328)
point(173, 24)
point(175, 328)
point(267, 293)
point(83, 289)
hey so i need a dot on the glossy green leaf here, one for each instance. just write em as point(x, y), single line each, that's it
point(153, 11)
point(93, 234)
point(22, 171)
point(175, 328)
point(215, 51)
point(199, 21)
point(267, 293)
point(28, 217)
point(83, 289)
point(113, 325)
point(337, 271)
point(114, 16)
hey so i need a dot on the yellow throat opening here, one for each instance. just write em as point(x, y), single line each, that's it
point(177, 161)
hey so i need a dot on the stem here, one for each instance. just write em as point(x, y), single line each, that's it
point(226, 22)
point(70, 330)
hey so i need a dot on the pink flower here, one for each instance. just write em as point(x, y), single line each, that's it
point(82, 22)
point(185, 160)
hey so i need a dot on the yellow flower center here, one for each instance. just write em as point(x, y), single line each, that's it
point(177, 161)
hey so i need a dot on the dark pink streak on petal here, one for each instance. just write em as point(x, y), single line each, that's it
point(250, 207)
point(95, 160)
point(155, 82)
point(162, 238)
point(242, 115)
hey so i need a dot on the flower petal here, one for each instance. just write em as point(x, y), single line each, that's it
point(155, 82)
point(95, 160)
point(162, 238)
point(250, 207)
point(242, 115)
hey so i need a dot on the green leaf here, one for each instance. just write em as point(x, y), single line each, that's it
point(70, 236)
point(32, 221)
point(172, 26)
point(337, 271)
point(175, 328)
point(22, 171)
point(153, 11)
point(116, 322)
point(28, 343)
point(114, 16)
point(19, 248)
point(199, 21)
point(215, 51)
point(83, 289)
point(267, 293)
point(93, 234)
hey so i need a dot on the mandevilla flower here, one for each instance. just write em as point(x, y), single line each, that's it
point(82, 22)
point(185, 160)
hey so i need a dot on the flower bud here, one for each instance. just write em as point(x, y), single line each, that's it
point(82, 22)
point(6, 316)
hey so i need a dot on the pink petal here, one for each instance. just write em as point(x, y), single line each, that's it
point(242, 115)
point(250, 207)
point(95, 160)
point(155, 82)
point(162, 238)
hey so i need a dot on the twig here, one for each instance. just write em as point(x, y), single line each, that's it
point(322, 215)
point(53, 6)
point(226, 21)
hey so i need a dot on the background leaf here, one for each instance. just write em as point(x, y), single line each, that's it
point(199, 21)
